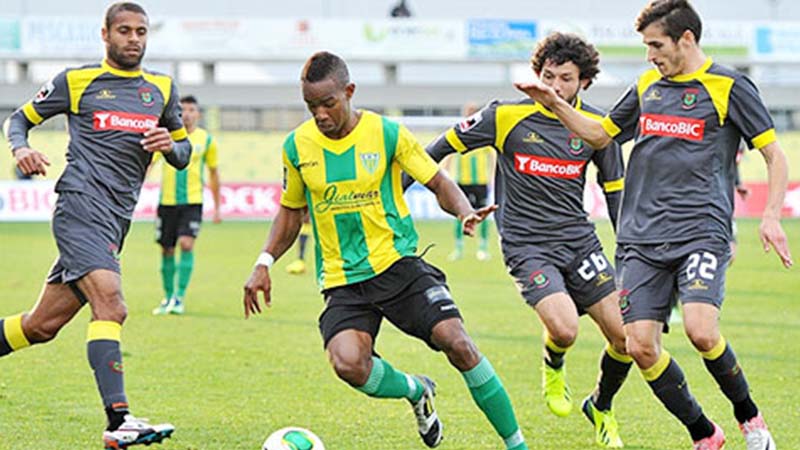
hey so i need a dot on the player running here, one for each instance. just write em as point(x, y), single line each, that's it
point(119, 115)
point(345, 166)
point(549, 246)
point(686, 117)
point(180, 208)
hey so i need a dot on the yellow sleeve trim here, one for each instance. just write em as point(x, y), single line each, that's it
point(31, 114)
point(179, 134)
point(614, 186)
point(658, 368)
point(716, 351)
point(617, 355)
point(12, 329)
point(611, 128)
point(765, 138)
point(290, 204)
point(454, 141)
point(104, 330)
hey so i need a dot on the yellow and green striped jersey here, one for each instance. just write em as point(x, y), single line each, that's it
point(473, 168)
point(353, 190)
point(185, 187)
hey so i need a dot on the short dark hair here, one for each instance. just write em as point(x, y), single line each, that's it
point(189, 99)
point(564, 47)
point(674, 16)
point(322, 65)
point(119, 7)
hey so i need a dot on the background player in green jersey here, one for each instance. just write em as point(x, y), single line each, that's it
point(473, 173)
point(180, 208)
point(345, 165)
point(118, 116)
point(686, 117)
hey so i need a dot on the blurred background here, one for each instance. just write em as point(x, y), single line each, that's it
point(416, 60)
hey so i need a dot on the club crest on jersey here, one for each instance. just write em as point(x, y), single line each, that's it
point(539, 279)
point(44, 92)
point(146, 96)
point(575, 145)
point(370, 161)
point(470, 122)
point(689, 98)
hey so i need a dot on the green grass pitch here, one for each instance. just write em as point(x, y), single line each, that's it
point(226, 383)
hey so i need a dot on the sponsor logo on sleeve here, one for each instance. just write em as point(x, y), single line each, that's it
point(123, 121)
point(470, 122)
point(44, 92)
point(547, 167)
point(672, 126)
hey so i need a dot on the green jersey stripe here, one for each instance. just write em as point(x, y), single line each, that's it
point(405, 237)
point(340, 167)
point(353, 247)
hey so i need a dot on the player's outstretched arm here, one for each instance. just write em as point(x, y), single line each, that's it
point(284, 231)
point(591, 131)
point(453, 201)
point(770, 231)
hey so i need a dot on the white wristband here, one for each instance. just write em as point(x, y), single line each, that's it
point(265, 259)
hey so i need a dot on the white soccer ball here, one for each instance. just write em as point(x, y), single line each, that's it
point(293, 438)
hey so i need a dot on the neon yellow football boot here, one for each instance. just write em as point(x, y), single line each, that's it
point(296, 267)
point(556, 392)
point(606, 429)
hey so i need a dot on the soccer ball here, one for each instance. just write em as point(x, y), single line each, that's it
point(293, 438)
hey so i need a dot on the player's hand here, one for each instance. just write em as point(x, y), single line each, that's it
point(30, 161)
point(470, 221)
point(771, 234)
point(259, 281)
point(217, 217)
point(743, 191)
point(157, 140)
point(538, 91)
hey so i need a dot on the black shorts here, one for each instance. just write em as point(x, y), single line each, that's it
point(175, 221)
point(412, 294)
point(578, 268)
point(89, 237)
point(653, 278)
point(477, 194)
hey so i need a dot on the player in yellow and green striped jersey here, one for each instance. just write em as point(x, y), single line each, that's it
point(180, 209)
point(473, 172)
point(345, 166)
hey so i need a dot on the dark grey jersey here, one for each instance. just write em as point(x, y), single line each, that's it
point(541, 169)
point(108, 110)
point(686, 131)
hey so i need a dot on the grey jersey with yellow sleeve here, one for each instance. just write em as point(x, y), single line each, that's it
point(686, 131)
point(541, 169)
point(108, 111)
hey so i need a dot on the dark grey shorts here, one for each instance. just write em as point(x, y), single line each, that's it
point(578, 268)
point(652, 278)
point(89, 237)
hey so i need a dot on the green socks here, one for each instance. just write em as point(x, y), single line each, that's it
point(386, 382)
point(168, 275)
point(185, 267)
point(491, 397)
